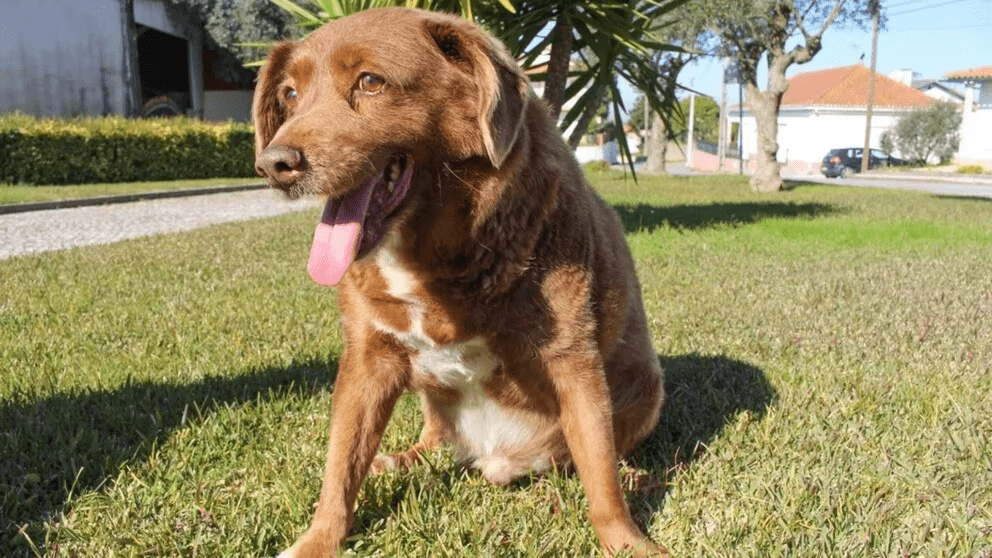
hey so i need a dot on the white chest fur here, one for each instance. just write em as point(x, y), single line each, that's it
point(487, 431)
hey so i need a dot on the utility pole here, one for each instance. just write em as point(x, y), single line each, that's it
point(646, 125)
point(721, 147)
point(740, 126)
point(876, 8)
point(690, 158)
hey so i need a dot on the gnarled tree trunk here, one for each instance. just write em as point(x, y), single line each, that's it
point(558, 58)
point(656, 146)
point(764, 106)
point(588, 113)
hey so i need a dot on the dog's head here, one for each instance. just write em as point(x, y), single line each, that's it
point(378, 85)
point(366, 102)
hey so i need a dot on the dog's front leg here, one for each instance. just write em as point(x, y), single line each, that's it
point(586, 419)
point(371, 378)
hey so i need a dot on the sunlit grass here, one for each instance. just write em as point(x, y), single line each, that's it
point(828, 361)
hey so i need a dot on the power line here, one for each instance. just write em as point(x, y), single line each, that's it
point(926, 8)
point(901, 4)
point(938, 29)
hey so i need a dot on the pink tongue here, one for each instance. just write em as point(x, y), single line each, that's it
point(336, 240)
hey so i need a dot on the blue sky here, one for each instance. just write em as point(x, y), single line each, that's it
point(931, 37)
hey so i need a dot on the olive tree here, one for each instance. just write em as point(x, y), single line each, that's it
point(928, 133)
point(780, 33)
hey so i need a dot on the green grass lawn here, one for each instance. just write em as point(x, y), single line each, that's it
point(21, 194)
point(828, 354)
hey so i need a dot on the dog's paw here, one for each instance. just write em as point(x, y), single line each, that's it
point(624, 539)
point(643, 549)
point(394, 461)
point(647, 549)
point(311, 545)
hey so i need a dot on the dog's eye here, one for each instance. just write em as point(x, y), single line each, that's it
point(370, 83)
point(290, 95)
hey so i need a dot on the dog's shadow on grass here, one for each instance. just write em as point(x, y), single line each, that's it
point(647, 218)
point(703, 395)
point(75, 443)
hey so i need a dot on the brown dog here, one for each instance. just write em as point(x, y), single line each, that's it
point(476, 266)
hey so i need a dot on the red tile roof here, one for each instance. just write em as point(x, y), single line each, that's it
point(848, 86)
point(971, 73)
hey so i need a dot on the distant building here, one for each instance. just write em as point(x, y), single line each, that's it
point(939, 90)
point(100, 57)
point(826, 109)
point(976, 118)
point(933, 88)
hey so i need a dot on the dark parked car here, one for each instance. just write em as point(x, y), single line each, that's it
point(847, 161)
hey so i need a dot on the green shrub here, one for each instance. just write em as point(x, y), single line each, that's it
point(929, 132)
point(971, 169)
point(114, 149)
point(597, 166)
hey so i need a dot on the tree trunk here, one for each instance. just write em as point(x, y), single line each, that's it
point(764, 106)
point(656, 147)
point(587, 115)
point(557, 78)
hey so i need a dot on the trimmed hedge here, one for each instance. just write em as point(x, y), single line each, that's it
point(115, 149)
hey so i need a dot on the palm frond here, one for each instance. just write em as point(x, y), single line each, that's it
point(612, 38)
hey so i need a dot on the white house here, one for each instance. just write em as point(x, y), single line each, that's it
point(938, 90)
point(99, 57)
point(976, 120)
point(826, 109)
point(931, 87)
point(539, 68)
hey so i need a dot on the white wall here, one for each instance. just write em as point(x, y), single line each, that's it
point(976, 127)
point(60, 57)
point(941, 95)
point(221, 106)
point(66, 57)
point(807, 133)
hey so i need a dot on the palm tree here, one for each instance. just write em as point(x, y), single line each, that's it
point(319, 12)
point(607, 38)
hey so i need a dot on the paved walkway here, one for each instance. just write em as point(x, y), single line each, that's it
point(58, 229)
point(32, 232)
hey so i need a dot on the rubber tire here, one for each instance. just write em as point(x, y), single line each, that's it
point(161, 107)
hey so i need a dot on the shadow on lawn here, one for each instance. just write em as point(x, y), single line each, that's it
point(962, 198)
point(649, 217)
point(703, 395)
point(75, 443)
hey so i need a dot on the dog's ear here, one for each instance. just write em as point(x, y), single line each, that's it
point(502, 87)
point(267, 114)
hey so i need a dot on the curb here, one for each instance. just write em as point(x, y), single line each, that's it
point(947, 178)
point(961, 179)
point(123, 198)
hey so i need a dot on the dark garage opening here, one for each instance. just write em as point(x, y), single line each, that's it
point(163, 67)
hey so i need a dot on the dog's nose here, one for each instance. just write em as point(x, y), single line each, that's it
point(281, 164)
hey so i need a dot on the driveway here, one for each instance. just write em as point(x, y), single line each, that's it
point(57, 229)
point(957, 188)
